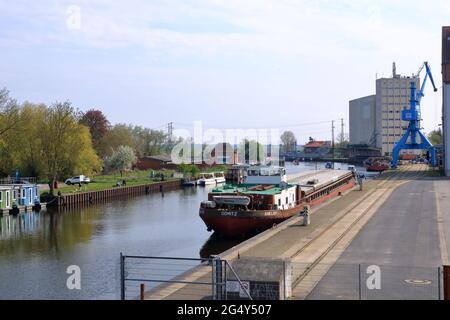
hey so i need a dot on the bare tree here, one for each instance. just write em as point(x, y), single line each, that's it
point(289, 141)
point(9, 112)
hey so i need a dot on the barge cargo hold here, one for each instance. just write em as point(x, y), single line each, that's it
point(268, 197)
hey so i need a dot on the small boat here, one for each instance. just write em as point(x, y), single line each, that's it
point(219, 177)
point(376, 165)
point(295, 162)
point(377, 168)
point(206, 179)
point(329, 165)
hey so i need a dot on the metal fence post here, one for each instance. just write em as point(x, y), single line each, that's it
point(359, 282)
point(122, 276)
point(439, 283)
point(217, 278)
point(225, 291)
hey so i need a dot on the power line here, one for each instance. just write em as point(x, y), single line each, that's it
point(260, 127)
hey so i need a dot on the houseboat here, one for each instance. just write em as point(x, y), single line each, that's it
point(6, 198)
point(18, 197)
point(25, 194)
point(268, 197)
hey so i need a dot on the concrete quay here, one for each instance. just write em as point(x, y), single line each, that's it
point(310, 251)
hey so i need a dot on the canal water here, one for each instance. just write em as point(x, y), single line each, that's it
point(37, 248)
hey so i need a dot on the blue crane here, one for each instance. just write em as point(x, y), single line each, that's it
point(413, 116)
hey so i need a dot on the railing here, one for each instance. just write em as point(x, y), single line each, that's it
point(171, 278)
point(365, 282)
point(21, 180)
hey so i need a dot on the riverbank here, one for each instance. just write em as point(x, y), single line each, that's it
point(91, 197)
point(104, 182)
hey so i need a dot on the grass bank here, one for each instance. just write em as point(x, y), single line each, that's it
point(103, 182)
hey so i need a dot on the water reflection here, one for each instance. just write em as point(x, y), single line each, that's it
point(37, 247)
point(13, 226)
point(216, 245)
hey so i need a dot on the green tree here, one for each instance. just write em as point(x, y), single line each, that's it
point(118, 135)
point(29, 143)
point(189, 170)
point(435, 137)
point(251, 151)
point(66, 144)
point(148, 141)
point(123, 158)
point(20, 145)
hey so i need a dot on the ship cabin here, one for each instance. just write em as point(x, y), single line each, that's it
point(265, 188)
point(6, 197)
point(253, 197)
point(24, 194)
point(266, 175)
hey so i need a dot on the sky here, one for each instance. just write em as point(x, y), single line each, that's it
point(283, 64)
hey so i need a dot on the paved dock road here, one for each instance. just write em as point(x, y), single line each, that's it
point(404, 238)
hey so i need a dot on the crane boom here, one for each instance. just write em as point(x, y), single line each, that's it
point(427, 75)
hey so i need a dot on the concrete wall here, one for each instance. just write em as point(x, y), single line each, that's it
point(446, 125)
point(362, 120)
point(446, 96)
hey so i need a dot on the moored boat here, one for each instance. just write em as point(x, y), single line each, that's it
point(376, 165)
point(206, 179)
point(268, 197)
point(219, 177)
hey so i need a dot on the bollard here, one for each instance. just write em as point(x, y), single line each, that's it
point(360, 182)
point(305, 215)
point(142, 291)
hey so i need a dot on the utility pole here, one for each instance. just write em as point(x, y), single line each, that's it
point(170, 130)
point(332, 139)
point(332, 134)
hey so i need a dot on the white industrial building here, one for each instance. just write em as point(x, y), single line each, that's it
point(376, 120)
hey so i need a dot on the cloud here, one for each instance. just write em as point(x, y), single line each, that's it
point(295, 53)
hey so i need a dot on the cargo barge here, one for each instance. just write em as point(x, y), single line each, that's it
point(269, 197)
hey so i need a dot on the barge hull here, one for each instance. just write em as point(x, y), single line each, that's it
point(244, 223)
